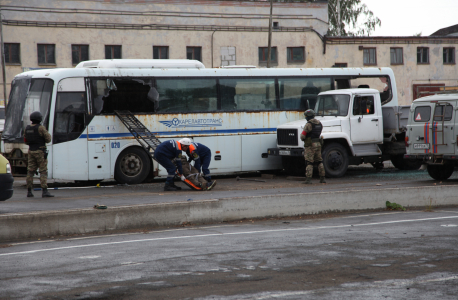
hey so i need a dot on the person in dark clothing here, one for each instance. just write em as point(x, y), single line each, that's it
point(36, 136)
point(164, 154)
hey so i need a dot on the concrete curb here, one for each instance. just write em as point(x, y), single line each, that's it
point(79, 221)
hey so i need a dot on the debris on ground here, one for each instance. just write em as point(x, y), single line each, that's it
point(97, 206)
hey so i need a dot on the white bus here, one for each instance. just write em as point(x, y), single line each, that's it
point(233, 111)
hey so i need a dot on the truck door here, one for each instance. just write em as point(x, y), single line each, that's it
point(366, 120)
point(442, 135)
point(419, 128)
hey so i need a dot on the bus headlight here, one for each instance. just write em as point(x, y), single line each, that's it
point(8, 168)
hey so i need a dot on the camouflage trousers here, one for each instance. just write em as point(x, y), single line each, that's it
point(312, 155)
point(37, 161)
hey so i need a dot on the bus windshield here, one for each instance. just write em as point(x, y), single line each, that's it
point(332, 105)
point(27, 95)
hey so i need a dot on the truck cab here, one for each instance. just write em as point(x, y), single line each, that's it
point(354, 132)
point(432, 136)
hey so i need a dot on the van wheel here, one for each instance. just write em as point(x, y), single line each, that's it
point(440, 172)
point(400, 163)
point(132, 166)
point(294, 166)
point(335, 160)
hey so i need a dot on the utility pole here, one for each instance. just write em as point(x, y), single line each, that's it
point(3, 59)
point(270, 35)
point(339, 28)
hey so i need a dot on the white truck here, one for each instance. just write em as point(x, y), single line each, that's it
point(356, 130)
point(432, 134)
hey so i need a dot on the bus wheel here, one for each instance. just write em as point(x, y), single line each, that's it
point(400, 163)
point(335, 160)
point(440, 172)
point(132, 166)
point(294, 166)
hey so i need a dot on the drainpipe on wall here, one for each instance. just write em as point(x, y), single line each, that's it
point(270, 36)
point(212, 46)
point(3, 59)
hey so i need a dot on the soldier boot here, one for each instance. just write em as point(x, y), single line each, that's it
point(46, 194)
point(308, 180)
point(322, 179)
point(29, 192)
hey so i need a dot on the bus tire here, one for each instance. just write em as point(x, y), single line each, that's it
point(132, 166)
point(400, 163)
point(440, 172)
point(294, 166)
point(335, 160)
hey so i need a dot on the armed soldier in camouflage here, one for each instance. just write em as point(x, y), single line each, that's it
point(312, 146)
point(36, 136)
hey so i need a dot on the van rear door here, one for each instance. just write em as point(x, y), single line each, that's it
point(419, 128)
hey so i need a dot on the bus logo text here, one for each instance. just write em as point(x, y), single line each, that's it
point(176, 123)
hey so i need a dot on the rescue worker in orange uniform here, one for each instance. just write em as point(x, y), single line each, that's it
point(202, 156)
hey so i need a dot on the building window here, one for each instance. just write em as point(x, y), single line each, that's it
point(396, 56)
point(113, 52)
point(46, 54)
point(370, 56)
point(449, 55)
point(80, 53)
point(161, 52)
point(295, 54)
point(340, 65)
point(263, 51)
point(12, 53)
point(194, 53)
point(422, 55)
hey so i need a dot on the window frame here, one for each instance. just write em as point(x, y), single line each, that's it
point(9, 52)
point(452, 50)
point(45, 56)
point(289, 51)
point(79, 53)
point(369, 51)
point(267, 50)
point(112, 51)
point(193, 48)
point(427, 52)
point(159, 48)
point(415, 113)
point(402, 56)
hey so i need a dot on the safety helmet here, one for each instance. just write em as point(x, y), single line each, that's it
point(185, 141)
point(36, 116)
point(309, 113)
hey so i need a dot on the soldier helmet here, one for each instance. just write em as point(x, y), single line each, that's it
point(185, 141)
point(309, 113)
point(36, 116)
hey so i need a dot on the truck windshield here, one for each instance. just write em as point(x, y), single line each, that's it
point(27, 95)
point(332, 105)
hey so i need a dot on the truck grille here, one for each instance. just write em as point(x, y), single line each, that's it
point(287, 137)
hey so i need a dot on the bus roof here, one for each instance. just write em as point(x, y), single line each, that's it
point(142, 64)
point(58, 74)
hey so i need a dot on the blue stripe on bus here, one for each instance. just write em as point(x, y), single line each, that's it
point(118, 135)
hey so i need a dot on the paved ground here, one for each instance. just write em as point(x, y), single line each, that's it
point(389, 255)
point(71, 196)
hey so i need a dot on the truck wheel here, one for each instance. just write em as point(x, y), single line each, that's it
point(400, 163)
point(294, 166)
point(335, 160)
point(440, 172)
point(132, 166)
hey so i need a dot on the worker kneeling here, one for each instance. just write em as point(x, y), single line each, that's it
point(312, 146)
point(201, 155)
point(164, 154)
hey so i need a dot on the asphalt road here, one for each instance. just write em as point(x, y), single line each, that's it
point(388, 255)
point(71, 196)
